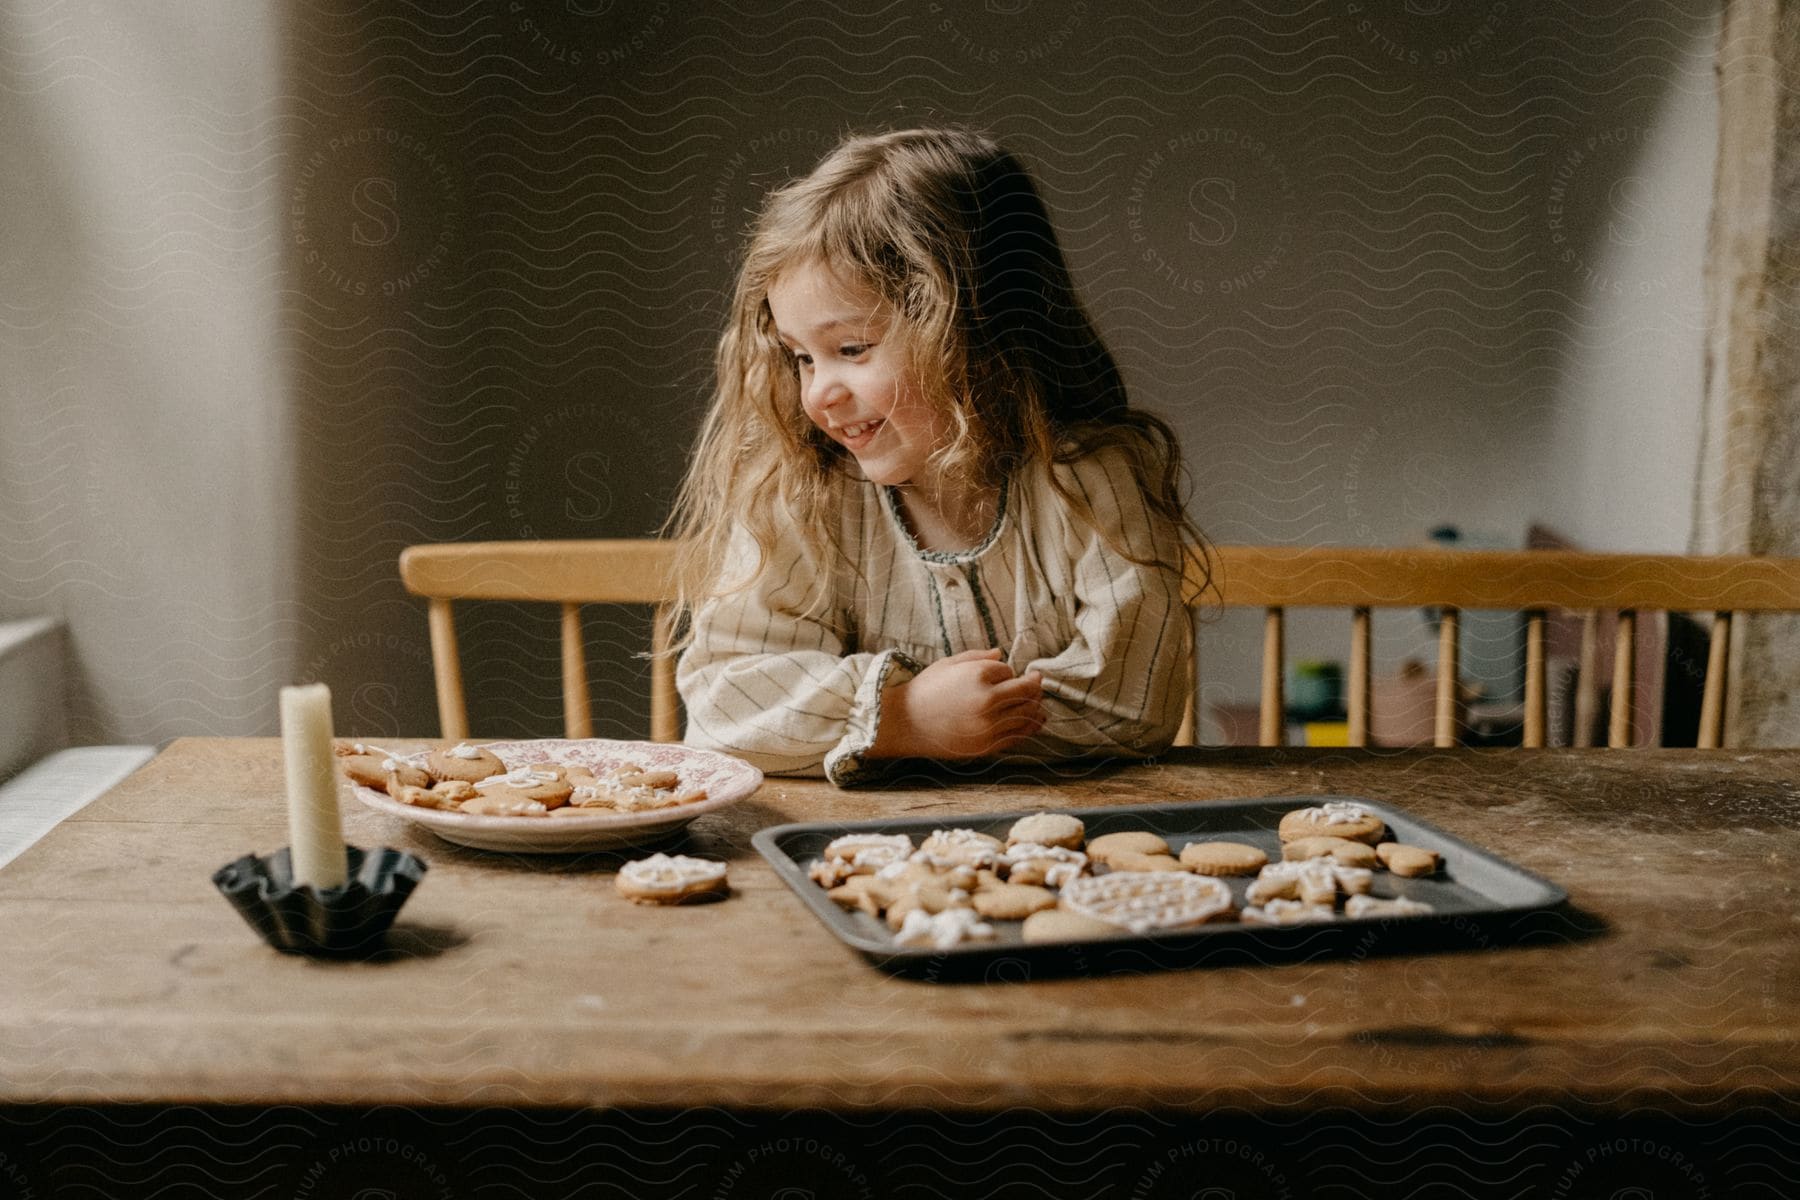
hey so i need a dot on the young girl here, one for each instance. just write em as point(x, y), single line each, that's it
point(921, 520)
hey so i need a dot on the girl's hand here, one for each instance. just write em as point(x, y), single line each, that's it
point(967, 706)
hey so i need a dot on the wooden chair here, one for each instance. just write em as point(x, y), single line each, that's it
point(1530, 581)
point(569, 573)
point(573, 573)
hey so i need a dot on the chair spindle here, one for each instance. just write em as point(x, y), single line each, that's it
point(1274, 716)
point(1449, 644)
point(1624, 661)
point(1587, 686)
point(1712, 702)
point(1359, 677)
point(1535, 714)
point(446, 670)
point(665, 719)
point(578, 714)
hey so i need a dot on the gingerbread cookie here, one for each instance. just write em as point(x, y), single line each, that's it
point(943, 930)
point(671, 879)
point(548, 785)
point(1047, 829)
point(1148, 902)
point(1341, 851)
point(1377, 908)
point(1289, 912)
point(962, 847)
point(1315, 881)
point(1106, 847)
point(859, 854)
point(470, 764)
point(1030, 862)
point(1410, 861)
point(374, 767)
point(420, 797)
point(1222, 858)
point(503, 802)
point(1337, 818)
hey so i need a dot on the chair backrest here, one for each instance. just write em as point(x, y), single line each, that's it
point(1272, 578)
point(569, 573)
point(1533, 582)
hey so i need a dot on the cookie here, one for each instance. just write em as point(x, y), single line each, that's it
point(1126, 861)
point(548, 785)
point(373, 767)
point(1012, 901)
point(1147, 902)
point(930, 893)
point(1103, 848)
point(1341, 851)
point(1375, 907)
point(1338, 818)
point(656, 781)
point(671, 879)
point(943, 930)
point(1048, 829)
point(1222, 858)
point(963, 847)
point(1030, 862)
point(420, 797)
point(1410, 861)
point(1314, 881)
point(1061, 925)
point(503, 802)
point(1289, 912)
point(470, 764)
point(455, 790)
point(864, 892)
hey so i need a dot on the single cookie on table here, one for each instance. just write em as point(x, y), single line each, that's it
point(1030, 862)
point(1061, 925)
point(470, 764)
point(1410, 861)
point(1337, 818)
point(1048, 829)
point(1012, 901)
point(1149, 902)
point(671, 879)
point(1222, 858)
point(1376, 907)
point(1134, 841)
point(1342, 851)
point(1125, 861)
point(962, 847)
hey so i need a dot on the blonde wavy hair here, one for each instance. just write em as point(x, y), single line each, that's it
point(947, 229)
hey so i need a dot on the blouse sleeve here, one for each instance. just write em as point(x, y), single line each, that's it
point(766, 682)
point(1120, 686)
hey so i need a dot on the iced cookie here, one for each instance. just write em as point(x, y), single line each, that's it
point(420, 797)
point(1048, 829)
point(1375, 907)
point(503, 802)
point(1315, 881)
point(470, 764)
point(1338, 818)
point(943, 930)
point(1222, 858)
point(1289, 912)
point(373, 768)
point(1148, 902)
point(671, 879)
point(548, 785)
point(1410, 861)
point(1341, 851)
point(963, 847)
point(1029, 862)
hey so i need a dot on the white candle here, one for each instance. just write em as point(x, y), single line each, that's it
point(315, 836)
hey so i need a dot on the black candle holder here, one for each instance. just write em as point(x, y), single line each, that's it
point(343, 921)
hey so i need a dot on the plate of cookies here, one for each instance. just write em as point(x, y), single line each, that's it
point(1151, 885)
point(549, 795)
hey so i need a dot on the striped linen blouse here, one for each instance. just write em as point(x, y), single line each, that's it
point(797, 695)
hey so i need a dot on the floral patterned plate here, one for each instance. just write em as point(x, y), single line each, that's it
point(726, 780)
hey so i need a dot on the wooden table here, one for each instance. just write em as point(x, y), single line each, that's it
point(1672, 993)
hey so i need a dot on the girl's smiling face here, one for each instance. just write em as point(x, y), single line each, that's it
point(855, 382)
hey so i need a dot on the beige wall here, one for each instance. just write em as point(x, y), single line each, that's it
point(459, 278)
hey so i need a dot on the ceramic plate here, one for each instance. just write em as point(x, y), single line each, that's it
point(726, 780)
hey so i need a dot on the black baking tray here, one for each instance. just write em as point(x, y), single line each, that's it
point(1480, 900)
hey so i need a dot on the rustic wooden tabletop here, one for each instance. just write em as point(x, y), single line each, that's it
point(519, 980)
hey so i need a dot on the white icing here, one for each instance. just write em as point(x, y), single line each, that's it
point(941, 931)
point(463, 750)
point(1145, 900)
point(671, 873)
point(520, 777)
point(1374, 906)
